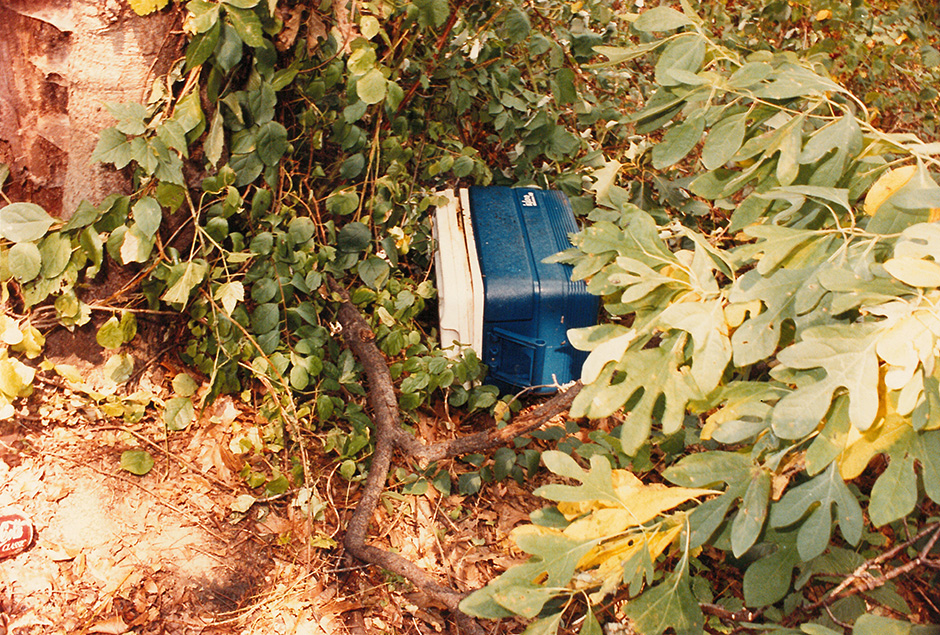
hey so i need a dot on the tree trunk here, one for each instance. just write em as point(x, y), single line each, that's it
point(60, 62)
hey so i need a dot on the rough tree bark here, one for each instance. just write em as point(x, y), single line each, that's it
point(60, 61)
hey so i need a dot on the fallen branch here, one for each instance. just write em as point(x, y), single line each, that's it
point(389, 436)
point(860, 581)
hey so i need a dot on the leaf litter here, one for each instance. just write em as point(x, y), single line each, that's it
point(166, 553)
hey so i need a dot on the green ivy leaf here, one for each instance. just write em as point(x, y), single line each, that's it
point(113, 147)
point(56, 252)
point(247, 24)
point(135, 246)
point(517, 25)
point(215, 140)
point(371, 87)
point(272, 142)
point(354, 237)
point(374, 272)
point(178, 413)
point(193, 273)
point(265, 318)
point(147, 214)
point(24, 222)
point(184, 385)
point(137, 462)
point(432, 12)
point(110, 335)
point(24, 261)
point(202, 45)
point(130, 117)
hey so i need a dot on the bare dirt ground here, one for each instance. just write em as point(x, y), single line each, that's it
point(165, 553)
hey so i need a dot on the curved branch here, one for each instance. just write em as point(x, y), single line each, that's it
point(389, 436)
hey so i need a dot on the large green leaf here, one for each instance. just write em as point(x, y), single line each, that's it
point(908, 205)
point(749, 521)
point(247, 24)
point(768, 580)
point(679, 141)
point(757, 338)
point(707, 469)
point(24, 222)
point(654, 373)
point(684, 54)
point(25, 261)
point(826, 490)
point(894, 494)
point(554, 560)
point(705, 322)
point(596, 483)
point(661, 19)
point(723, 141)
point(848, 355)
point(670, 604)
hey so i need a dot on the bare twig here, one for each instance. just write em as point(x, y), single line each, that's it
point(861, 581)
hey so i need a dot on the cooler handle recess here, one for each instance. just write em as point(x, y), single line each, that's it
point(514, 358)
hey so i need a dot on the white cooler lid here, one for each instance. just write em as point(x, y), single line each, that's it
point(457, 274)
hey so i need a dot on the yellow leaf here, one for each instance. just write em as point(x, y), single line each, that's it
point(886, 185)
point(369, 26)
point(735, 314)
point(230, 294)
point(146, 7)
point(32, 342)
point(605, 562)
point(600, 523)
point(824, 14)
point(637, 504)
point(69, 373)
point(862, 447)
point(914, 271)
point(11, 334)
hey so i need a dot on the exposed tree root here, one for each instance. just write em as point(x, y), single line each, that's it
point(389, 436)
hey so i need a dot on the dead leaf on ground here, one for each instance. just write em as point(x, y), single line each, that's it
point(111, 626)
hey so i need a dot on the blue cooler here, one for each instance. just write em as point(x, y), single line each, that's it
point(496, 294)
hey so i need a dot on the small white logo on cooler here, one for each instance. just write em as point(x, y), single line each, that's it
point(529, 200)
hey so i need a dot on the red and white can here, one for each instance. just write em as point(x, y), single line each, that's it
point(16, 532)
